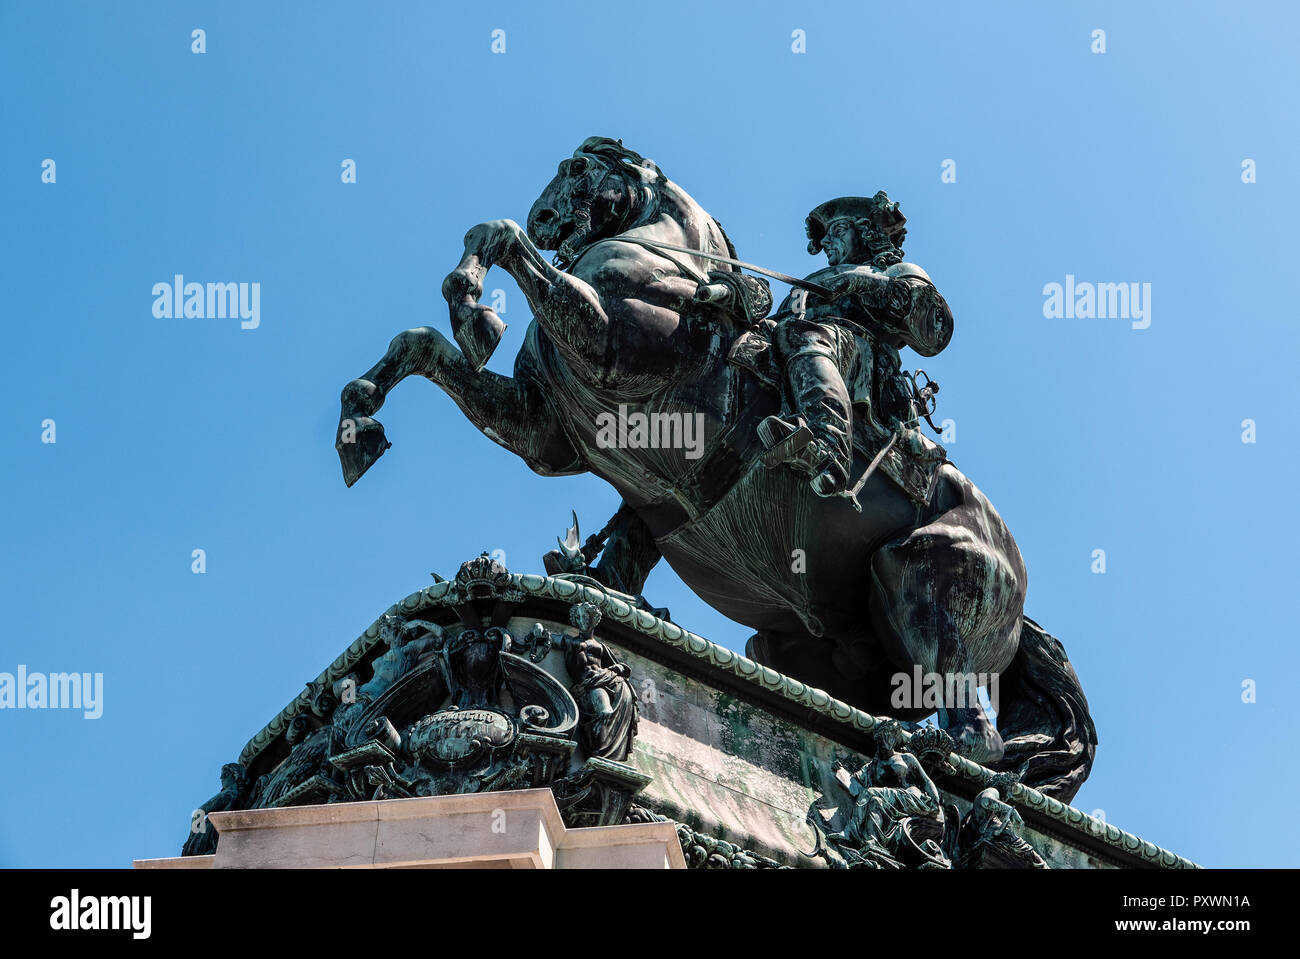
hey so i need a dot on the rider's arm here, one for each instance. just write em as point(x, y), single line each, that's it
point(905, 301)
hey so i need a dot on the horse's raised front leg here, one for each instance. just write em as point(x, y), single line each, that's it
point(512, 411)
point(476, 327)
point(568, 308)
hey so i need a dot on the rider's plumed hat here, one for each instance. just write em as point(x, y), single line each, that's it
point(878, 210)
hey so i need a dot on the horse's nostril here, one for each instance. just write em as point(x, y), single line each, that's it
point(545, 216)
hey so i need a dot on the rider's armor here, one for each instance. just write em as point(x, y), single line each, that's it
point(839, 351)
point(843, 355)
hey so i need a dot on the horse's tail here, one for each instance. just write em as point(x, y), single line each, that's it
point(1043, 717)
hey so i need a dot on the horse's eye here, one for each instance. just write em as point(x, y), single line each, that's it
point(577, 165)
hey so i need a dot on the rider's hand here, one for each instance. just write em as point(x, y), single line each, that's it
point(839, 283)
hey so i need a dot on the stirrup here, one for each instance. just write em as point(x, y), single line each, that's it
point(784, 440)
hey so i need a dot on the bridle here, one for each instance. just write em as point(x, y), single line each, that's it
point(642, 205)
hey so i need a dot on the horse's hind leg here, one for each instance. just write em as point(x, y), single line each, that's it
point(935, 644)
point(948, 597)
point(361, 440)
point(511, 410)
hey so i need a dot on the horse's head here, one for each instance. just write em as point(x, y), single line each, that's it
point(597, 193)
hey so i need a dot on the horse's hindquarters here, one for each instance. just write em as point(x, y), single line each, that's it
point(959, 573)
point(846, 600)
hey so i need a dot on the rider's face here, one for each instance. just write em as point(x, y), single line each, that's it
point(840, 241)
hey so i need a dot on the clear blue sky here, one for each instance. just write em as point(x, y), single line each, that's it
point(177, 434)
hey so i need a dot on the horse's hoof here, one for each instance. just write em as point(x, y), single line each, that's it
point(360, 442)
point(979, 745)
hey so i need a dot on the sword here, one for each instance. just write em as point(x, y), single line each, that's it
point(862, 481)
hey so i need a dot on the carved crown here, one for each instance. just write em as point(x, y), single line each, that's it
point(482, 575)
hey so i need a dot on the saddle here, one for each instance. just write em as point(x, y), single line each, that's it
point(912, 463)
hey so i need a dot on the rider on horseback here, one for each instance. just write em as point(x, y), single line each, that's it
point(926, 574)
point(880, 304)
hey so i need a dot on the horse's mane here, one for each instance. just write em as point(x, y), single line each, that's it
point(613, 150)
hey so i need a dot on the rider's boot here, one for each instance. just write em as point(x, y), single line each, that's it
point(822, 400)
point(831, 476)
point(787, 442)
point(794, 443)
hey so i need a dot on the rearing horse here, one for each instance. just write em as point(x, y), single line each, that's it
point(840, 599)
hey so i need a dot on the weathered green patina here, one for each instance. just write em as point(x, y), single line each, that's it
point(739, 754)
point(914, 568)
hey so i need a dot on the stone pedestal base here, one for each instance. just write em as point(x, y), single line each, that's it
point(518, 829)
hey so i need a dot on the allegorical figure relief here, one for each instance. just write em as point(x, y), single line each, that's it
point(407, 641)
point(202, 840)
point(990, 836)
point(607, 703)
point(889, 790)
point(824, 345)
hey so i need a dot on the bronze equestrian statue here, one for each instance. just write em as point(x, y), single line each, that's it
point(643, 317)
